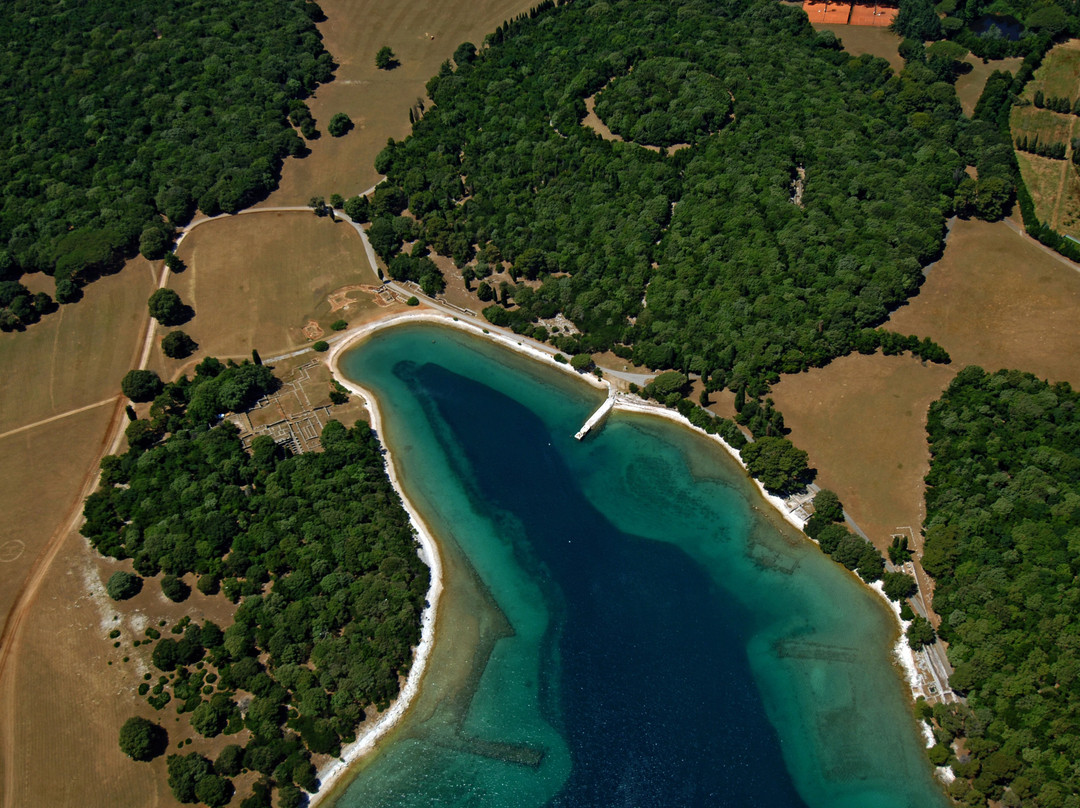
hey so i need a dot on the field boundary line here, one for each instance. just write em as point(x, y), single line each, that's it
point(49, 420)
point(1027, 237)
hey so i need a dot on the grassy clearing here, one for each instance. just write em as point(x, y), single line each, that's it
point(37, 494)
point(862, 419)
point(996, 299)
point(77, 355)
point(970, 85)
point(77, 733)
point(255, 281)
point(422, 35)
point(1059, 73)
point(1052, 183)
point(860, 39)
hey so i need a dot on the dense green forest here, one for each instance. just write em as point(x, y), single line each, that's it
point(1003, 543)
point(317, 552)
point(663, 102)
point(699, 260)
point(120, 114)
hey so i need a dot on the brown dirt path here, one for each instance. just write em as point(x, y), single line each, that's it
point(9, 638)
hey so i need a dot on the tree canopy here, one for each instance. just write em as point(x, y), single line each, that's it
point(141, 739)
point(317, 552)
point(1003, 544)
point(140, 385)
point(120, 113)
point(167, 308)
point(701, 256)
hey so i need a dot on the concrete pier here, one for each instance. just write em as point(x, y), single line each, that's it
point(595, 418)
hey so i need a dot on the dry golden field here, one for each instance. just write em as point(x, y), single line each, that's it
point(995, 299)
point(61, 388)
point(422, 36)
point(860, 39)
point(999, 300)
point(256, 280)
point(77, 355)
point(969, 86)
point(863, 421)
point(1054, 184)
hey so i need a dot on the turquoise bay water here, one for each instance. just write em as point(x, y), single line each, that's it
point(624, 623)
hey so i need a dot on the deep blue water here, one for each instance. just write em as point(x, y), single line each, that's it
point(622, 626)
point(999, 27)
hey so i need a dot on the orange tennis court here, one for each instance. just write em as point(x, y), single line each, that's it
point(826, 12)
point(876, 14)
point(879, 15)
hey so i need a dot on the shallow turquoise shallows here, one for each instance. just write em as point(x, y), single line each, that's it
point(625, 622)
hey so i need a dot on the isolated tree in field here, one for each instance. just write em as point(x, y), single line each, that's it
point(140, 385)
point(385, 59)
point(178, 345)
point(175, 589)
point(141, 739)
point(339, 125)
point(173, 262)
point(167, 308)
point(123, 585)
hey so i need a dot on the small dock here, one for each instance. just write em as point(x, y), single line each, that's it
point(595, 418)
